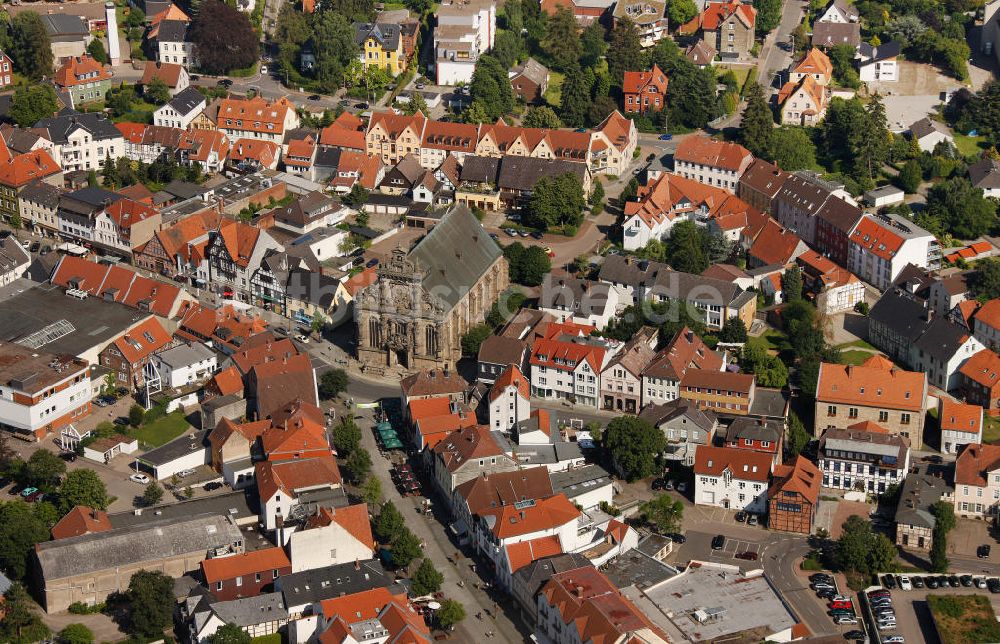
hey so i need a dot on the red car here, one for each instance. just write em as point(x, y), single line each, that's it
point(835, 605)
point(748, 555)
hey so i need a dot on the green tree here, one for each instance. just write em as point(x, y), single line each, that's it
point(346, 436)
point(358, 465)
point(156, 92)
point(474, 338)
point(960, 209)
point(229, 634)
point(871, 142)
point(491, 88)
point(534, 266)
point(882, 557)
point(798, 437)
point(842, 59)
point(855, 544)
point(356, 197)
point(21, 624)
point(371, 491)
point(43, 470)
point(768, 15)
point(685, 248)
point(153, 494)
point(450, 613)
point(83, 487)
point(944, 521)
point(985, 281)
point(597, 192)
point(223, 38)
point(910, 177)
point(30, 46)
point(757, 122)
point(733, 330)
point(120, 99)
point(791, 148)
point(663, 513)
point(625, 51)
point(771, 372)
point(405, 548)
point(136, 415)
point(633, 444)
point(791, 284)
point(76, 633)
point(97, 51)
point(509, 48)
point(574, 100)
point(151, 599)
point(32, 103)
point(691, 95)
point(332, 383)
point(541, 117)
point(20, 529)
point(556, 201)
point(388, 523)
point(681, 11)
point(561, 43)
point(427, 579)
point(592, 44)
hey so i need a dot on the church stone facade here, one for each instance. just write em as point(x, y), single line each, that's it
point(425, 300)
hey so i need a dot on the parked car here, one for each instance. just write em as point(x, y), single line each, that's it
point(100, 402)
point(668, 485)
point(314, 97)
point(983, 551)
point(35, 496)
point(904, 583)
point(666, 137)
point(845, 620)
point(966, 580)
point(749, 555)
point(980, 582)
point(184, 473)
point(854, 635)
point(718, 542)
point(301, 338)
point(68, 456)
point(677, 537)
point(993, 584)
point(28, 491)
point(741, 516)
point(889, 581)
point(932, 582)
point(537, 235)
point(224, 82)
point(820, 576)
point(895, 639)
point(918, 582)
point(658, 484)
point(214, 485)
point(35, 246)
point(510, 232)
point(682, 487)
point(954, 582)
point(361, 106)
point(752, 520)
point(841, 604)
point(826, 593)
point(139, 478)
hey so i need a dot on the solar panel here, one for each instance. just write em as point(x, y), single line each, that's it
point(47, 334)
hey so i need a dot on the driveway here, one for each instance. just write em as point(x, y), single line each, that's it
point(772, 58)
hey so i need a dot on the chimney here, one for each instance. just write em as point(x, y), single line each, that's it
point(357, 565)
point(930, 314)
point(578, 591)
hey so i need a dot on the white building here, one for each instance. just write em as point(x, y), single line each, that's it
point(14, 260)
point(181, 110)
point(329, 537)
point(977, 481)
point(568, 299)
point(839, 11)
point(863, 457)
point(172, 44)
point(280, 484)
point(731, 478)
point(43, 392)
point(928, 133)
point(986, 324)
point(878, 63)
point(186, 364)
point(961, 424)
point(465, 30)
point(712, 162)
point(882, 244)
point(568, 368)
point(509, 400)
point(81, 141)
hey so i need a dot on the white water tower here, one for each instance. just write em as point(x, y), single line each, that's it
point(114, 50)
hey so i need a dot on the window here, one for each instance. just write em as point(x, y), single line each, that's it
point(218, 585)
point(256, 577)
point(904, 419)
point(239, 581)
point(852, 412)
point(831, 411)
point(883, 416)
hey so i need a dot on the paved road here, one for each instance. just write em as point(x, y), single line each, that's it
point(772, 58)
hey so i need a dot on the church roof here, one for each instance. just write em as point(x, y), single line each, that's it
point(455, 255)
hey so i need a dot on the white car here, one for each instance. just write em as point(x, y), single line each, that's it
point(139, 478)
point(184, 473)
point(895, 639)
point(301, 338)
point(904, 583)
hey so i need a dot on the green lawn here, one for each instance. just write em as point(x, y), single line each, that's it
point(856, 343)
point(776, 340)
point(741, 72)
point(163, 429)
point(141, 112)
point(553, 93)
point(267, 639)
point(854, 357)
point(969, 145)
point(991, 429)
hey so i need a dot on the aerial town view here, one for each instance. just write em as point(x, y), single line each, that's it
point(542, 321)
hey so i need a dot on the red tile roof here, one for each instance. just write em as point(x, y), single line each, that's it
point(396, 124)
point(801, 476)
point(702, 150)
point(222, 568)
point(511, 376)
point(871, 385)
point(301, 152)
point(455, 137)
point(119, 283)
point(239, 238)
point(81, 70)
point(264, 152)
point(142, 341)
point(169, 73)
point(204, 321)
point(566, 356)
point(744, 464)
point(521, 554)
point(975, 462)
point(775, 244)
point(716, 12)
point(301, 474)
point(815, 62)
point(960, 417)
point(989, 314)
point(79, 521)
point(353, 518)
point(545, 514)
point(686, 350)
point(228, 381)
point(356, 282)
point(127, 213)
point(271, 350)
point(877, 239)
point(254, 114)
point(200, 144)
point(18, 170)
point(636, 82)
point(359, 606)
point(505, 488)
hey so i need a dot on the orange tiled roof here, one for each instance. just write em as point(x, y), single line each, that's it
point(142, 341)
point(79, 521)
point(253, 354)
point(296, 436)
point(877, 239)
point(702, 150)
point(264, 152)
point(455, 137)
point(80, 70)
point(775, 244)
point(127, 213)
point(353, 518)
point(300, 152)
point(169, 73)
point(989, 314)
point(545, 353)
point(359, 606)
point(546, 514)
point(228, 381)
point(222, 568)
point(636, 82)
point(975, 462)
point(20, 169)
point(815, 62)
point(869, 426)
point(716, 12)
point(521, 554)
point(204, 321)
point(396, 124)
point(254, 114)
point(511, 376)
point(360, 280)
point(960, 417)
point(239, 238)
point(744, 464)
point(299, 474)
point(201, 143)
point(117, 282)
point(802, 476)
point(871, 384)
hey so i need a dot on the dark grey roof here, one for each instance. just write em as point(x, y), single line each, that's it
point(828, 34)
point(533, 71)
point(538, 572)
point(312, 287)
point(379, 199)
point(94, 196)
point(327, 157)
point(183, 189)
point(658, 414)
point(68, 121)
point(480, 169)
point(942, 338)
point(12, 254)
point(684, 286)
point(528, 455)
point(239, 505)
point(307, 209)
point(840, 214)
point(248, 611)
point(315, 585)
point(923, 487)
point(581, 296)
point(636, 568)
point(183, 445)
point(497, 349)
point(522, 173)
point(619, 269)
point(754, 429)
point(454, 255)
point(185, 354)
point(19, 140)
point(873, 54)
point(926, 126)
point(60, 25)
point(121, 547)
point(985, 173)
point(903, 315)
point(41, 193)
point(770, 403)
point(172, 31)
point(579, 480)
point(187, 100)
point(385, 33)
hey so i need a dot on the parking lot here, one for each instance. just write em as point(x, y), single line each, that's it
point(913, 617)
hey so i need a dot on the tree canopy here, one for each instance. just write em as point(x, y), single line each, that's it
point(346, 436)
point(229, 634)
point(151, 600)
point(30, 47)
point(757, 122)
point(332, 383)
point(490, 89)
point(223, 38)
point(32, 103)
point(21, 527)
point(541, 117)
point(556, 201)
point(83, 487)
point(427, 579)
point(663, 513)
point(561, 43)
point(526, 265)
point(955, 206)
point(634, 445)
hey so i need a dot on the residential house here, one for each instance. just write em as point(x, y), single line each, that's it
point(179, 248)
point(6, 67)
point(833, 289)
point(775, 245)
point(586, 302)
point(432, 383)
point(174, 76)
point(348, 529)
point(760, 184)
point(865, 457)
point(115, 283)
point(928, 133)
point(961, 424)
point(381, 46)
point(44, 391)
point(173, 44)
point(645, 91)
point(84, 79)
point(840, 12)
point(39, 203)
point(648, 16)
point(756, 435)
point(685, 426)
point(568, 365)
point(310, 212)
point(700, 54)
point(234, 254)
point(923, 488)
point(185, 364)
point(661, 379)
point(260, 616)
point(491, 490)
point(621, 377)
point(442, 139)
point(464, 31)
point(986, 324)
point(252, 155)
point(149, 143)
point(14, 260)
point(300, 157)
point(469, 453)
point(17, 171)
point(977, 481)
point(393, 136)
point(509, 399)
point(875, 391)
point(831, 34)
point(127, 356)
point(985, 175)
point(69, 35)
point(81, 141)
point(207, 148)
point(882, 244)
point(385, 612)
point(793, 497)
point(724, 392)
point(730, 478)
point(182, 109)
point(436, 419)
point(878, 62)
point(257, 118)
point(248, 574)
point(496, 353)
point(79, 521)
point(530, 81)
point(712, 162)
point(803, 102)
point(727, 26)
point(814, 64)
point(347, 132)
point(287, 487)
